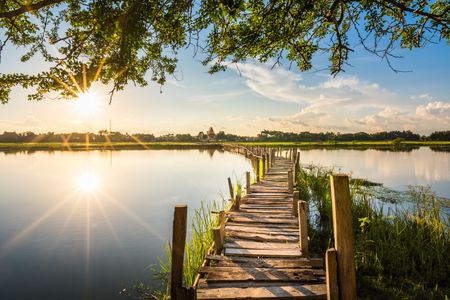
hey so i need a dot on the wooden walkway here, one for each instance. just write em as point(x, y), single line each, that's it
point(260, 256)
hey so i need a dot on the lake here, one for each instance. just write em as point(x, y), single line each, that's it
point(84, 225)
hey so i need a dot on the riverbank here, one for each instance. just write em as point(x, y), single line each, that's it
point(388, 145)
point(13, 147)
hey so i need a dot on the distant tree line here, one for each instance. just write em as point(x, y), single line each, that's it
point(263, 136)
point(278, 136)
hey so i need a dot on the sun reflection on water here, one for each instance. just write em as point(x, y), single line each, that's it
point(88, 181)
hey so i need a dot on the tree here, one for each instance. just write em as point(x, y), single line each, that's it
point(119, 41)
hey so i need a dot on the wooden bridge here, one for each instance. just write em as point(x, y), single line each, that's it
point(260, 248)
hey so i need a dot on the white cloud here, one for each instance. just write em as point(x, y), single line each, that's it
point(280, 84)
point(436, 110)
point(424, 97)
point(341, 103)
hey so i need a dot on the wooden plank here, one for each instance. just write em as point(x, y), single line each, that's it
point(232, 274)
point(285, 227)
point(260, 253)
point(234, 243)
point(316, 291)
point(261, 237)
point(268, 262)
point(265, 230)
point(263, 220)
point(252, 215)
point(205, 284)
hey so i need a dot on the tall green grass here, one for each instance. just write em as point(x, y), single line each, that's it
point(402, 253)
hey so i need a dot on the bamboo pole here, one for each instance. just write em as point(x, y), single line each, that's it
point(178, 244)
point(303, 228)
point(343, 236)
point(331, 274)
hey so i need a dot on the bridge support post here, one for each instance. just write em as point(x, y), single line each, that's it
point(263, 166)
point(295, 199)
point(303, 228)
point(290, 182)
point(343, 236)
point(257, 169)
point(230, 188)
point(178, 244)
point(247, 183)
point(331, 274)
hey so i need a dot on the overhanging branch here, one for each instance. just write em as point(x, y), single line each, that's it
point(28, 8)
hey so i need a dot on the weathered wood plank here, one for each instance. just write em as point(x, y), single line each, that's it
point(316, 291)
point(232, 274)
point(259, 219)
point(262, 229)
point(261, 237)
point(234, 243)
point(263, 252)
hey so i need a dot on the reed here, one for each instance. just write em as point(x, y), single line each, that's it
point(401, 253)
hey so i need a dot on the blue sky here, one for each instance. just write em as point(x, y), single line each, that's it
point(367, 97)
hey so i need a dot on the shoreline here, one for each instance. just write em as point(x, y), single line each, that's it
point(59, 146)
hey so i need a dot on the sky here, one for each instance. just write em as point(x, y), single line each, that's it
point(250, 97)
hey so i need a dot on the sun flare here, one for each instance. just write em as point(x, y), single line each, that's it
point(88, 181)
point(87, 103)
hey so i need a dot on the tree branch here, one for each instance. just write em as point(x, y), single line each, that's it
point(28, 8)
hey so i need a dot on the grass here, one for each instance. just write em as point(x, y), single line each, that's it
point(203, 222)
point(399, 255)
point(214, 145)
point(350, 144)
point(105, 146)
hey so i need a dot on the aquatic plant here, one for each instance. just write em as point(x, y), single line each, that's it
point(402, 252)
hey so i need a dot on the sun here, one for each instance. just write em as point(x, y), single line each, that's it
point(87, 103)
point(88, 181)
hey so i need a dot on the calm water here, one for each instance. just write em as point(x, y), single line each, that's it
point(395, 170)
point(83, 225)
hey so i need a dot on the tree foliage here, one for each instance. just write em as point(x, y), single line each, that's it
point(120, 41)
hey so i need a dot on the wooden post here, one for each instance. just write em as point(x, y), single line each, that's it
point(222, 223)
point(178, 244)
point(303, 228)
point(290, 182)
point(247, 182)
point(187, 293)
point(264, 166)
point(331, 274)
point(343, 236)
point(295, 199)
point(257, 169)
point(218, 240)
point(237, 202)
point(230, 188)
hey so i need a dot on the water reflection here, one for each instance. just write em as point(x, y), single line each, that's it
point(397, 170)
point(75, 226)
point(87, 181)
